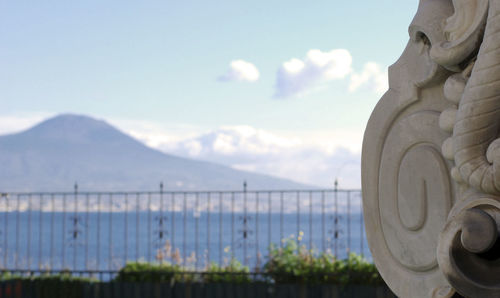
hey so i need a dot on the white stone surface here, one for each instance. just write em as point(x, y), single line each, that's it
point(431, 156)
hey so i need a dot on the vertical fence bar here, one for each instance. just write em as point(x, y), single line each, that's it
point(160, 223)
point(52, 215)
point(64, 233)
point(6, 231)
point(40, 229)
point(349, 221)
point(336, 220)
point(232, 225)
point(184, 232)
point(137, 209)
point(149, 228)
point(281, 219)
point(196, 230)
point(75, 227)
point(87, 231)
point(257, 257)
point(110, 227)
point(299, 238)
point(269, 219)
point(98, 232)
point(208, 227)
point(17, 232)
point(172, 218)
point(245, 226)
point(323, 235)
point(28, 251)
point(220, 228)
point(310, 220)
point(125, 236)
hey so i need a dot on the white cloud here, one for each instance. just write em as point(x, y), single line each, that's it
point(296, 77)
point(311, 157)
point(315, 159)
point(373, 78)
point(224, 144)
point(240, 70)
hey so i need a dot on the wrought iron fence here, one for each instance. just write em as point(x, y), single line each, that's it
point(96, 233)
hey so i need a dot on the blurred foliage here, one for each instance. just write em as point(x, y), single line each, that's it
point(147, 272)
point(292, 263)
point(63, 276)
point(234, 272)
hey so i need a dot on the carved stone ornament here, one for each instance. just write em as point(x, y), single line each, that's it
point(431, 156)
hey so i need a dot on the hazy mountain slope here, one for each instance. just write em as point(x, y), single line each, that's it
point(55, 153)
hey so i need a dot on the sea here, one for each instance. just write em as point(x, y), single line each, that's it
point(105, 241)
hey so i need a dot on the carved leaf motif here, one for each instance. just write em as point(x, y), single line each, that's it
point(461, 21)
point(463, 31)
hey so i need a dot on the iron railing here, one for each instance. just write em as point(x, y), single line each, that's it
point(96, 233)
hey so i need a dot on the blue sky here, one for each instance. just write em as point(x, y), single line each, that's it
point(161, 70)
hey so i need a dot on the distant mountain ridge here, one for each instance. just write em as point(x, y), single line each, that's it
point(60, 151)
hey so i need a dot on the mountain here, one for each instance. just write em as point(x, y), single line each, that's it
point(60, 151)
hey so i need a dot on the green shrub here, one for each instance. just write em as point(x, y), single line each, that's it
point(295, 264)
point(234, 272)
point(290, 264)
point(48, 276)
point(146, 272)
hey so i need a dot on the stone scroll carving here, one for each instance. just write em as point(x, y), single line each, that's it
point(431, 156)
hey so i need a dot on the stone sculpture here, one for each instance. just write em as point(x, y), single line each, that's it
point(431, 156)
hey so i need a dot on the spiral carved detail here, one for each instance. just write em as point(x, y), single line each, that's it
point(404, 211)
point(407, 209)
point(468, 250)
